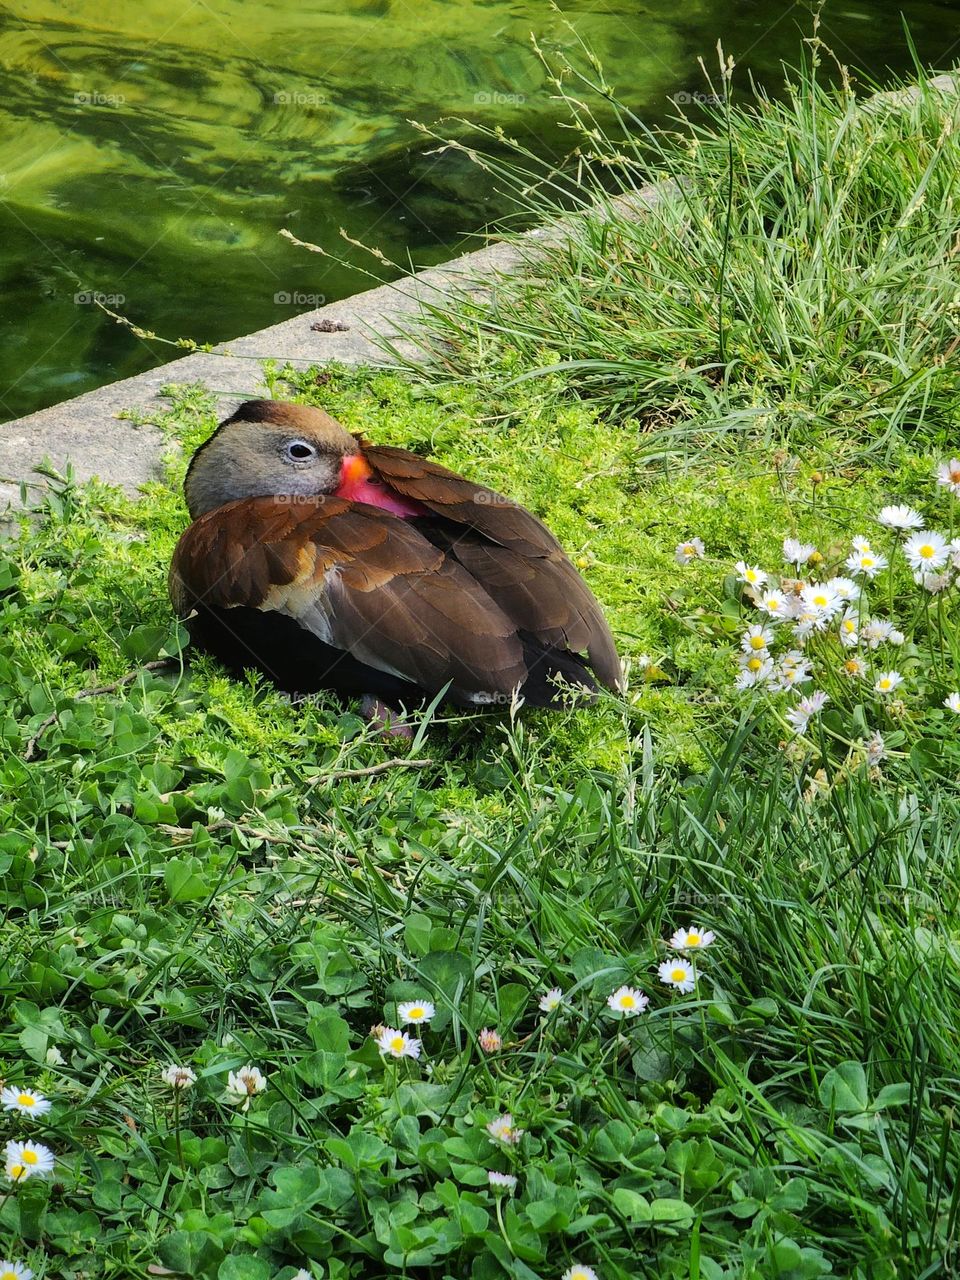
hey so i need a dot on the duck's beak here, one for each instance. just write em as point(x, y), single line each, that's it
point(354, 471)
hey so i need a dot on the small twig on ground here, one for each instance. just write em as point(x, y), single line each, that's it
point(161, 664)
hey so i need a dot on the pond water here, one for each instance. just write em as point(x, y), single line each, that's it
point(151, 151)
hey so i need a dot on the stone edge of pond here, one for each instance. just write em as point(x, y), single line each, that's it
point(88, 433)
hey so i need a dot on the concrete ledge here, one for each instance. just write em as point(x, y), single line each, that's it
point(85, 431)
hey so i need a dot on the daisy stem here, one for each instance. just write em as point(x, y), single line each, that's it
point(503, 1230)
point(176, 1128)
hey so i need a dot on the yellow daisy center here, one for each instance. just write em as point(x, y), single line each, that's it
point(925, 552)
point(578, 1275)
point(396, 1044)
point(885, 684)
point(627, 1002)
point(815, 557)
point(8, 1275)
point(853, 666)
point(678, 974)
point(867, 562)
point(849, 626)
point(754, 664)
point(751, 575)
point(30, 1157)
point(688, 549)
point(757, 642)
point(955, 475)
point(693, 939)
point(416, 1011)
point(25, 1100)
point(820, 601)
point(17, 1171)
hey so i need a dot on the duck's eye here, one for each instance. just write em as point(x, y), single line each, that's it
point(298, 451)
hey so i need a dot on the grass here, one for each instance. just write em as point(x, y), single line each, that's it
point(194, 871)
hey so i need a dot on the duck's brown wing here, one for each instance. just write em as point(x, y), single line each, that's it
point(361, 581)
point(511, 553)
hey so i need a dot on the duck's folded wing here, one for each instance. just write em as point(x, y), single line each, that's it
point(360, 580)
point(511, 553)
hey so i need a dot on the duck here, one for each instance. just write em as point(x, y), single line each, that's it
point(327, 562)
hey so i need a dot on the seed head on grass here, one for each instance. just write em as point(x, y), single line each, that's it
point(27, 1102)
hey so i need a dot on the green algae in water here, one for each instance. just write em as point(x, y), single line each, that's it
point(152, 151)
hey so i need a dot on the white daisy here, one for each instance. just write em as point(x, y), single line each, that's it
point(933, 582)
point(579, 1272)
point(775, 604)
point(628, 1001)
point(12, 1270)
point(750, 574)
point(876, 749)
point(756, 669)
point(791, 672)
point(948, 474)
point(678, 973)
point(756, 639)
point(808, 621)
point(952, 702)
point(687, 551)
point(849, 635)
point(797, 553)
point(502, 1130)
point(845, 588)
point(800, 715)
point(887, 681)
point(875, 631)
point(900, 517)
point(506, 1181)
point(692, 939)
point(415, 1011)
point(397, 1044)
point(860, 543)
point(866, 563)
point(27, 1101)
point(821, 598)
point(178, 1077)
point(244, 1085)
point(926, 551)
point(955, 553)
point(552, 1000)
point(855, 668)
point(895, 636)
point(25, 1160)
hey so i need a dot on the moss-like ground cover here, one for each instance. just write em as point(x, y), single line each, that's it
point(195, 875)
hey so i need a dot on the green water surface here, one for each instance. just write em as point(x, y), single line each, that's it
point(152, 150)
